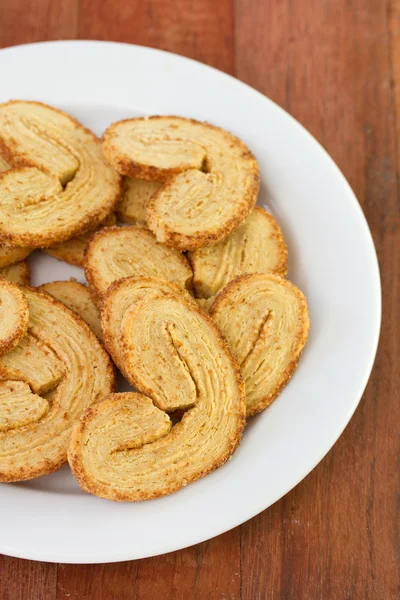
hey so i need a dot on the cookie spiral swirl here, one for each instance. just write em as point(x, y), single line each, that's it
point(118, 252)
point(56, 371)
point(126, 447)
point(211, 178)
point(123, 295)
point(264, 319)
point(60, 184)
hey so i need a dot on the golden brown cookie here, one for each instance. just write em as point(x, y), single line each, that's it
point(122, 295)
point(73, 251)
point(135, 198)
point(77, 297)
point(118, 252)
point(18, 273)
point(14, 316)
point(61, 355)
point(60, 184)
point(256, 246)
point(264, 319)
point(126, 448)
point(211, 177)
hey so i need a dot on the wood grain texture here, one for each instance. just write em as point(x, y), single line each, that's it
point(26, 579)
point(337, 534)
point(202, 30)
point(336, 67)
point(203, 572)
point(26, 21)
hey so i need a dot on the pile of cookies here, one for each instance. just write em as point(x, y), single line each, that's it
point(186, 295)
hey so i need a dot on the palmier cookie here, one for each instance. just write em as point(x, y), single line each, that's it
point(118, 252)
point(60, 184)
point(126, 448)
point(211, 178)
point(264, 319)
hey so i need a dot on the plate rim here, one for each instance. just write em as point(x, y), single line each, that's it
point(373, 265)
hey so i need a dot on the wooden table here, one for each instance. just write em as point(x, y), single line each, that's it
point(335, 66)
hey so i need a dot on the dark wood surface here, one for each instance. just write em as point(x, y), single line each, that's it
point(335, 66)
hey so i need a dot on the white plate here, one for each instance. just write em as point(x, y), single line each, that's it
point(332, 259)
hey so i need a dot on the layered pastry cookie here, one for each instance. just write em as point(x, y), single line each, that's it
point(257, 245)
point(77, 297)
point(14, 316)
point(118, 252)
point(211, 179)
point(73, 251)
point(134, 200)
point(264, 319)
point(55, 372)
point(60, 184)
point(18, 273)
point(126, 447)
point(123, 295)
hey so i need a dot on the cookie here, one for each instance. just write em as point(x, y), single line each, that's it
point(118, 252)
point(211, 178)
point(126, 448)
point(264, 319)
point(60, 184)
